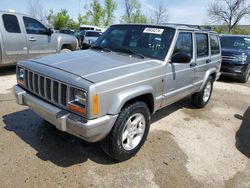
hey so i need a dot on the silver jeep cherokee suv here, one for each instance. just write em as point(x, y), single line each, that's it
point(109, 92)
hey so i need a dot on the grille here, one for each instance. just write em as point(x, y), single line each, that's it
point(228, 58)
point(46, 88)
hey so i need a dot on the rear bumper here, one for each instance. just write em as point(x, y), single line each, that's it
point(89, 130)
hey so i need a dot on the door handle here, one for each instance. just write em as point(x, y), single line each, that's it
point(193, 65)
point(32, 39)
point(208, 61)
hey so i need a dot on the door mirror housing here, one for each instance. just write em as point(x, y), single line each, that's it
point(49, 31)
point(181, 57)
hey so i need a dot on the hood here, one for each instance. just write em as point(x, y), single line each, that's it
point(97, 66)
point(232, 52)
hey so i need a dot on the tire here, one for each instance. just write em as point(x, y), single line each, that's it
point(244, 78)
point(201, 99)
point(123, 142)
point(65, 50)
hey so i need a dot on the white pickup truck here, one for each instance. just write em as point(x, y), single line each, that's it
point(23, 37)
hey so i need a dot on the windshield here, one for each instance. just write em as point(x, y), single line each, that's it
point(149, 41)
point(235, 42)
point(93, 34)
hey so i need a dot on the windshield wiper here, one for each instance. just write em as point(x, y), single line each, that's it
point(129, 51)
point(101, 48)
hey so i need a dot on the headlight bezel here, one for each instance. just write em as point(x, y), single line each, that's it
point(77, 104)
point(20, 75)
point(240, 58)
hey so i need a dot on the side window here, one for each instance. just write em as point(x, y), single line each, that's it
point(215, 46)
point(32, 26)
point(202, 44)
point(11, 24)
point(184, 44)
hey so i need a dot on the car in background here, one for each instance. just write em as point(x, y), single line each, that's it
point(23, 37)
point(87, 38)
point(236, 56)
point(72, 32)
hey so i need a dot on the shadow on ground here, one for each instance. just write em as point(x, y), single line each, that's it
point(5, 71)
point(61, 148)
point(243, 134)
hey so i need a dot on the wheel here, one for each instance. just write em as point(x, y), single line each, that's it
point(200, 99)
point(65, 50)
point(129, 132)
point(244, 78)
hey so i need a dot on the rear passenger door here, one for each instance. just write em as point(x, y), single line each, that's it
point(202, 57)
point(38, 40)
point(14, 42)
point(180, 76)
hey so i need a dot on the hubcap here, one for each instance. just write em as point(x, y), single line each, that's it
point(207, 92)
point(133, 131)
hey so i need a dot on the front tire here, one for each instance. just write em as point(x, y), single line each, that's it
point(201, 99)
point(129, 132)
point(65, 50)
point(244, 78)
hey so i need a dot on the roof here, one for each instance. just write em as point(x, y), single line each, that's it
point(176, 26)
point(14, 13)
point(233, 35)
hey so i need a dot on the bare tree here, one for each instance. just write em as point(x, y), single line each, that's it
point(228, 12)
point(160, 14)
point(36, 9)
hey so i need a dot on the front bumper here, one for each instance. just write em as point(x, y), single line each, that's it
point(234, 70)
point(89, 130)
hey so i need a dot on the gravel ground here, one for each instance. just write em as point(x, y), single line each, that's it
point(186, 147)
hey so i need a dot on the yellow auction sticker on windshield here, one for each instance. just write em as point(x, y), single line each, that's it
point(153, 30)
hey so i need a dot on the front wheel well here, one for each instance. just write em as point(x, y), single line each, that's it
point(68, 46)
point(148, 99)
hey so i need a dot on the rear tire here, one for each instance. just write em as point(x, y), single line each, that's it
point(201, 99)
point(129, 132)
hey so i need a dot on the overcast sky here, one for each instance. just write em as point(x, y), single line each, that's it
point(180, 11)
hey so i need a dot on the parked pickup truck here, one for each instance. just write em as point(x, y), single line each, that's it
point(109, 92)
point(23, 37)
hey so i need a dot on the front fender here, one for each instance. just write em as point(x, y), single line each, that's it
point(121, 98)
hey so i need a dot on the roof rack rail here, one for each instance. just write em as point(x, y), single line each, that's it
point(207, 28)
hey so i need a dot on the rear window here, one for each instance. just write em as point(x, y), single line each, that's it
point(215, 45)
point(11, 24)
point(93, 34)
point(202, 44)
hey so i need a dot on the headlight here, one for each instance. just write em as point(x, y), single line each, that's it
point(20, 75)
point(79, 97)
point(240, 58)
point(78, 101)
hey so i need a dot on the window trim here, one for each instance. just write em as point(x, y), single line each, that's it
point(20, 31)
point(208, 47)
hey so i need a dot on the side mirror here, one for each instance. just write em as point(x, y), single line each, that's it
point(49, 31)
point(181, 57)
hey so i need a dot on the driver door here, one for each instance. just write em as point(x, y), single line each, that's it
point(180, 76)
point(39, 42)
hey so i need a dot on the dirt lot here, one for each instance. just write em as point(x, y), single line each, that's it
point(186, 147)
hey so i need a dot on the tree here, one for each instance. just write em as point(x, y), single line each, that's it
point(229, 12)
point(108, 12)
point(160, 14)
point(36, 9)
point(94, 13)
point(61, 20)
point(133, 12)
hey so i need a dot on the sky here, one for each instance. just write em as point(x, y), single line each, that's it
point(180, 11)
